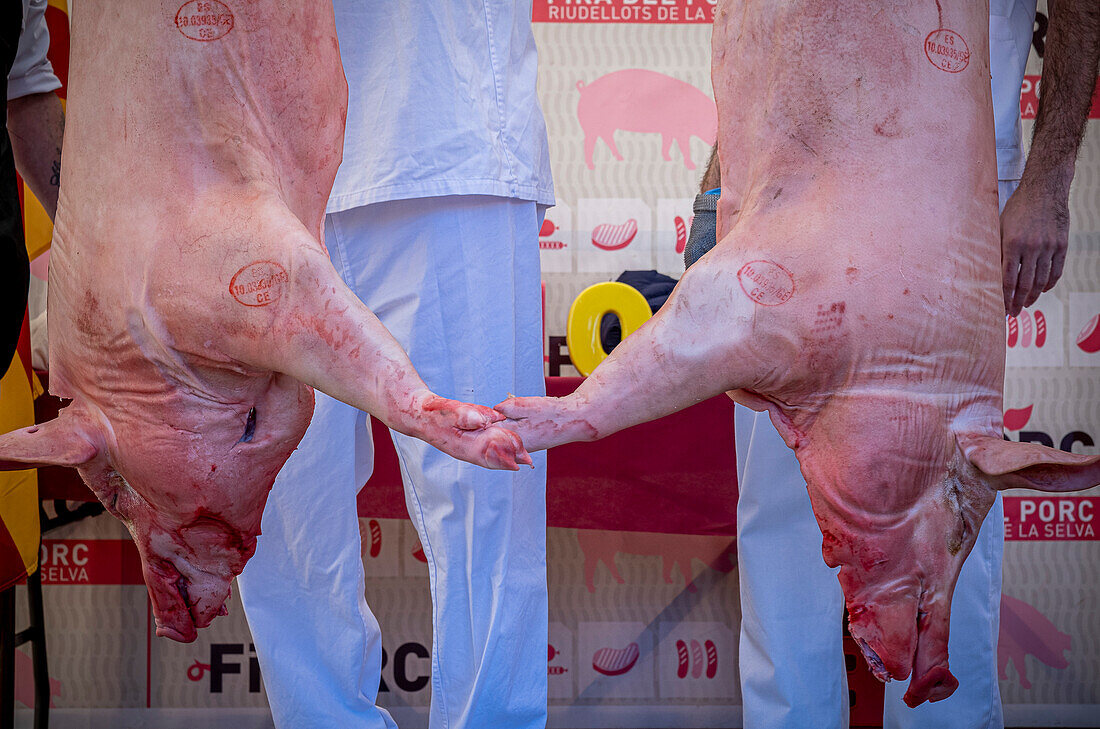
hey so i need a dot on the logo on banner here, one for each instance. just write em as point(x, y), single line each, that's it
point(546, 242)
point(1051, 518)
point(700, 660)
point(682, 232)
point(89, 562)
point(371, 539)
point(1029, 97)
point(405, 675)
point(608, 237)
point(623, 11)
point(1089, 338)
point(675, 550)
point(1026, 631)
point(615, 661)
point(1017, 419)
point(222, 663)
point(640, 100)
point(553, 653)
point(1035, 337)
point(1020, 330)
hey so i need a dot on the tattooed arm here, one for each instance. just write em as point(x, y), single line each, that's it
point(1035, 221)
point(36, 125)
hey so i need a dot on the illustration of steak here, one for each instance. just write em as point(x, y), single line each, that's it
point(610, 237)
point(1089, 338)
point(192, 303)
point(615, 661)
point(871, 334)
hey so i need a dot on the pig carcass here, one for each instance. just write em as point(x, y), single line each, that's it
point(855, 295)
point(192, 304)
point(639, 100)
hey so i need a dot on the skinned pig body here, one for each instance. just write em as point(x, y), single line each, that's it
point(193, 307)
point(855, 295)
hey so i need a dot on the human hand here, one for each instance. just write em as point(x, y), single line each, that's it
point(1034, 240)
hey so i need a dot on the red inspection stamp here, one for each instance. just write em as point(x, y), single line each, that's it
point(259, 283)
point(766, 282)
point(947, 50)
point(204, 20)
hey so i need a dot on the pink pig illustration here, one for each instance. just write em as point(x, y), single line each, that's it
point(1024, 631)
point(639, 100)
point(24, 681)
point(717, 552)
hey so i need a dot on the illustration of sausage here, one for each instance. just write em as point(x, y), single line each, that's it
point(696, 659)
point(712, 658)
point(615, 661)
point(1025, 329)
point(682, 662)
point(547, 228)
point(681, 234)
point(1040, 329)
point(1013, 331)
point(375, 538)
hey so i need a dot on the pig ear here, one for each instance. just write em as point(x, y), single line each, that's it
point(1029, 465)
point(60, 442)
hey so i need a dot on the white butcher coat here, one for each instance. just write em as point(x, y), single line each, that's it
point(433, 222)
point(791, 663)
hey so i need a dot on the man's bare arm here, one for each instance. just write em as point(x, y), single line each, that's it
point(36, 125)
point(1035, 221)
point(712, 175)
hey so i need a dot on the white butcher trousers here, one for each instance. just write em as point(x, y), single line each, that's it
point(456, 281)
point(791, 656)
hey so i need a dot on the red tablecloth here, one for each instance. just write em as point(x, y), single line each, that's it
point(675, 475)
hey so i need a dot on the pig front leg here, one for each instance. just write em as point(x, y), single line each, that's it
point(299, 318)
point(700, 344)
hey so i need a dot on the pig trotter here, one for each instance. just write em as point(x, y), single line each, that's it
point(545, 422)
point(468, 432)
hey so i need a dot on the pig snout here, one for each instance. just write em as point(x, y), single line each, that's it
point(188, 572)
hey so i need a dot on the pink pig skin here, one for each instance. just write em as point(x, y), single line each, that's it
point(855, 295)
point(638, 100)
point(187, 165)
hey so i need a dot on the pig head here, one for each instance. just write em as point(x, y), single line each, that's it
point(189, 483)
point(899, 496)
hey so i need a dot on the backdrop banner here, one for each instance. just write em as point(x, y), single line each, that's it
point(644, 610)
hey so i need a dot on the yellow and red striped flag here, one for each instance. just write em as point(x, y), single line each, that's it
point(19, 526)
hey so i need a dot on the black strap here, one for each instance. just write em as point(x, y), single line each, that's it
point(14, 266)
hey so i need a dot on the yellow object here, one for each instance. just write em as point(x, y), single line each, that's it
point(582, 333)
point(18, 489)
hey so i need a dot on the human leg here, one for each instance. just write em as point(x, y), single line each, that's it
point(972, 645)
point(318, 644)
point(456, 280)
point(791, 656)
